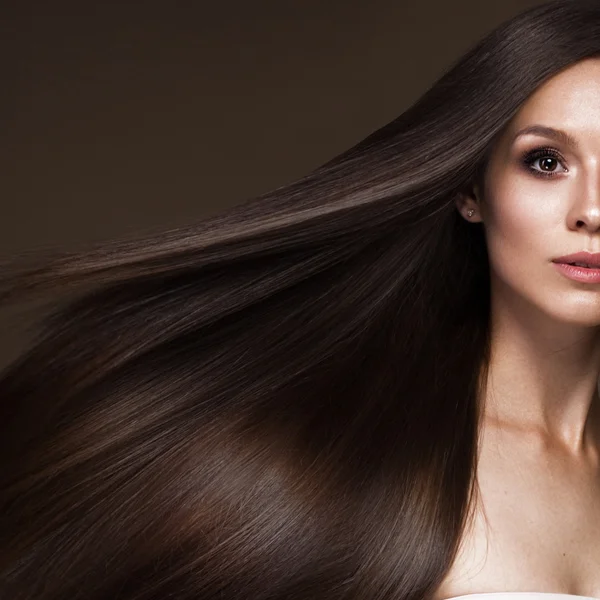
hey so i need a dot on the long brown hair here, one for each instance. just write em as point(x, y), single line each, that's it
point(282, 401)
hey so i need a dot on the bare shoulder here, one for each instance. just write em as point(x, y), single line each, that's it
point(535, 525)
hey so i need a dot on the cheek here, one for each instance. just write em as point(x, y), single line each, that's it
point(519, 230)
point(508, 226)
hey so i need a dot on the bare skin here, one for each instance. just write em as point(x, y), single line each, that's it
point(537, 521)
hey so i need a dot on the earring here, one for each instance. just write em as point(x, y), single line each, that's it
point(470, 212)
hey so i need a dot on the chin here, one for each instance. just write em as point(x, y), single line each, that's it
point(579, 316)
point(569, 307)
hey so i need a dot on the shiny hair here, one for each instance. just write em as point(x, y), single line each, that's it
point(282, 401)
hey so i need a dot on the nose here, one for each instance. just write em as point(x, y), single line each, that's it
point(590, 221)
point(585, 215)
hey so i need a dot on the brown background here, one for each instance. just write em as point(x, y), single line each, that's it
point(119, 117)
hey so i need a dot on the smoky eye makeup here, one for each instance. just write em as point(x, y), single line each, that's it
point(544, 162)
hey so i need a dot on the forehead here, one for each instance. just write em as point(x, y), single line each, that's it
point(572, 93)
point(570, 100)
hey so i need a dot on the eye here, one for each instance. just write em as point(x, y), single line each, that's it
point(548, 159)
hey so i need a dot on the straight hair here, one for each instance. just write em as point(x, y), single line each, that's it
point(283, 401)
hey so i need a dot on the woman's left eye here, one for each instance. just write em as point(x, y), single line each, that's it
point(547, 157)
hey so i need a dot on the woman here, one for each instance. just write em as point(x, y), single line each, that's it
point(377, 382)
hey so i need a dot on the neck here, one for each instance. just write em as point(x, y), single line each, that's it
point(543, 376)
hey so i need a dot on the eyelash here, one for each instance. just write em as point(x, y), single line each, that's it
point(542, 152)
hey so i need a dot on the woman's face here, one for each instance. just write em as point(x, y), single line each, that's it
point(542, 198)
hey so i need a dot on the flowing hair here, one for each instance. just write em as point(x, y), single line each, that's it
point(281, 402)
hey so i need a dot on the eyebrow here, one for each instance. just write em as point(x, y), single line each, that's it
point(548, 132)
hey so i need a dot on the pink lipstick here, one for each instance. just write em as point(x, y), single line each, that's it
point(581, 266)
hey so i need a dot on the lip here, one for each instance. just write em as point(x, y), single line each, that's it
point(581, 274)
point(592, 259)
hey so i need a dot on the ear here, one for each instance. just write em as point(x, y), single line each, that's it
point(468, 204)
